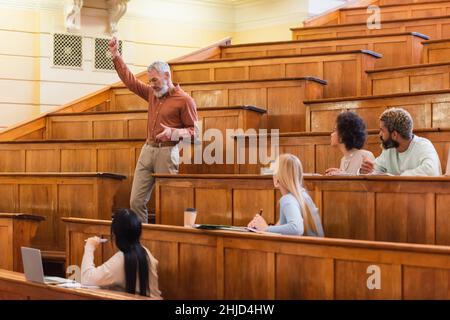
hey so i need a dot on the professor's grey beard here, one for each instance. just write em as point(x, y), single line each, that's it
point(163, 91)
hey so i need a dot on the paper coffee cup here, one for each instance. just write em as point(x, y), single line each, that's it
point(189, 217)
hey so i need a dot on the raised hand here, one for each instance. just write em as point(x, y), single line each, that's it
point(113, 47)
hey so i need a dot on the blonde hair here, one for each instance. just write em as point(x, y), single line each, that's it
point(289, 173)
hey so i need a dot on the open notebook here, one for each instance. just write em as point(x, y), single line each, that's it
point(225, 227)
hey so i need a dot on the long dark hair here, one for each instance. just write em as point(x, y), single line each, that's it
point(126, 231)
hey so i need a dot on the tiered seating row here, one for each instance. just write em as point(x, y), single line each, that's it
point(405, 47)
point(350, 207)
point(414, 78)
point(344, 71)
point(436, 27)
point(253, 266)
point(429, 109)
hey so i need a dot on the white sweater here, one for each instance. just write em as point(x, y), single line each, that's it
point(111, 274)
point(420, 159)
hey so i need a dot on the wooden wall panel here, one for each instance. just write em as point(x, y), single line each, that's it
point(214, 206)
point(426, 283)
point(302, 277)
point(12, 161)
point(184, 199)
point(351, 280)
point(41, 199)
point(442, 219)
point(254, 279)
point(345, 215)
point(404, 225)
point(247, 203)
point(193, 257)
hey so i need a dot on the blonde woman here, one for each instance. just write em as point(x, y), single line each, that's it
point(298, 213)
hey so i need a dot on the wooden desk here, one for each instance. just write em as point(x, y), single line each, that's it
point(398, 209)
point(53, 195)
point(344, 71)
point(435, 51)
point(429, 109)
point(16, 230)
point(198, 264)
point(115, 125)
point(398, 48)
point(434, 27)
point(414, 78)
point(13, 286)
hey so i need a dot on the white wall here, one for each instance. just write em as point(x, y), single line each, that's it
point(151, 29)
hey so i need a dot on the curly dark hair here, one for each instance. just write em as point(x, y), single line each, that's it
point(351, 130)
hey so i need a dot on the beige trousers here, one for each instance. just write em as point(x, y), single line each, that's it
point(151, 160)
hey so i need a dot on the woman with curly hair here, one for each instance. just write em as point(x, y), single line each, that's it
point(349, 136)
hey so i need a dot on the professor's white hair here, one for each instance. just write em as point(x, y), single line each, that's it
point(159, 66)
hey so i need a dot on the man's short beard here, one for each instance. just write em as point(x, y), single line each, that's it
point(163, 91)
point(389, 143)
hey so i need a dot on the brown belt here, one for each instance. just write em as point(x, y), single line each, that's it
point(162, 144)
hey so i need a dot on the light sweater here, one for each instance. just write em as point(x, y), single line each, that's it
point(420, 159)
point(111, 274)
point(291, 220)
point(351, 163)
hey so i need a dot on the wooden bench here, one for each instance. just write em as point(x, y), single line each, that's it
point(405, 48)
point(53, 195)
point(435, 51)
point(16, 230)
point(133, 124)
point(358, 207)
point(331, 17)
point(434, 27)
point(395, 11)
point(13, 286)
point(271, 95)
point(414, 78)
point(314, 150)
point(120, 156)
point(343, 71)
point(255, 266)
point(429, 109)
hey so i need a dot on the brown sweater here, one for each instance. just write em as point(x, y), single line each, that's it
point(177, 110)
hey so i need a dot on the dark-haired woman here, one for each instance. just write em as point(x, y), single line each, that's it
point(349, 136)
point(132, 269)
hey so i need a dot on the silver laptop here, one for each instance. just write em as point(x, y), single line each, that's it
point(32, 265)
